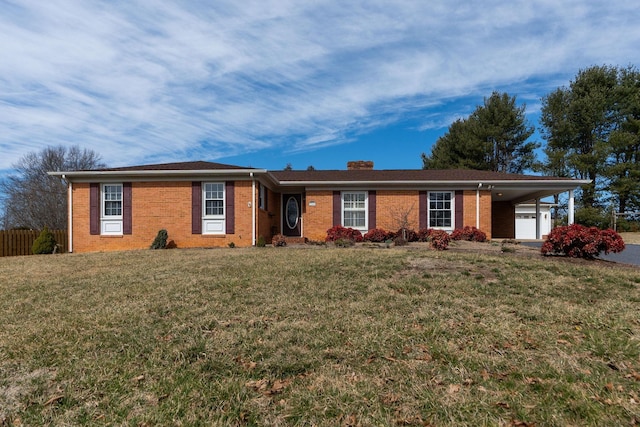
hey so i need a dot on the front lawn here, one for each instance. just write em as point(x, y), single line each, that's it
point(317, 336)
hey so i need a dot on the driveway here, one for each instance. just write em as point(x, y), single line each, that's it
point(630, 255)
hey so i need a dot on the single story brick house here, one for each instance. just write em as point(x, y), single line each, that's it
point(206, 204)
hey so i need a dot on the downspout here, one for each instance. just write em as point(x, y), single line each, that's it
point(538, 236)
point(478, 205)
point(253, 209)
point(571, 208)
point(69, 213)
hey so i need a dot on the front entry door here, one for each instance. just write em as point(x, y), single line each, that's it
point(292, 215)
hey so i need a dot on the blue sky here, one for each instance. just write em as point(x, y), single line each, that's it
point(264, 83)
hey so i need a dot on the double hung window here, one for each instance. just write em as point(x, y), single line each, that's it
point(354, 210)
point(441, 211)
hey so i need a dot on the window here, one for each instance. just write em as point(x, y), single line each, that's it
point(441, 209)
point(213, 208)
point(262, 197)
point(354, 210)
point(111, 209)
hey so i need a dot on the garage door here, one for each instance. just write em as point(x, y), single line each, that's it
point(525, 226)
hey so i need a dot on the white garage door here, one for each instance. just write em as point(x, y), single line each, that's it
point(525, 226)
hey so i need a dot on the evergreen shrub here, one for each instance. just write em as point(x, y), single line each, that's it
point(160, 242)
point(45, 243)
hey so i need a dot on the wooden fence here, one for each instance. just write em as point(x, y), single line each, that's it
point(19, 242)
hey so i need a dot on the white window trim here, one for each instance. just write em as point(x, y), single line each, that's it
point(111, 225)
point(453, 210)
point(364, 229)
point(214, 224)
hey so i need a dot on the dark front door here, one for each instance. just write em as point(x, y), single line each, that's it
point(292, 215)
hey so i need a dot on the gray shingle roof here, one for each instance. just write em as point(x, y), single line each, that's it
point(404, 175)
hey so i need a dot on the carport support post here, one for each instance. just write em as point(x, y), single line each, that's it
point(570, 208)
point(538, 236)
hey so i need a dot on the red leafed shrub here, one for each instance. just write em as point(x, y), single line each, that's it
point(578, 241)
point(423, 234)
point(439, 239)
point(376, 235)
point(339, 232)
point(471, 234)
point(407, 234)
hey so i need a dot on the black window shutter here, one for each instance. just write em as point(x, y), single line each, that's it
point(422, 209)
point(337, 209)
point(126, 208)
point(94, 209)
point(196, 207)
point(372, 210)
point(459, 218)
point(230, 210)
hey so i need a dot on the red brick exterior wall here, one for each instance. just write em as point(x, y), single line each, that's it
point(158, 205)
point(391, 207)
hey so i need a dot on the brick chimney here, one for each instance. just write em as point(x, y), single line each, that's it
point(359, 165)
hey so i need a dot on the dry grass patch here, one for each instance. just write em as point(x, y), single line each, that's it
point(631, 238)
point(317, 337)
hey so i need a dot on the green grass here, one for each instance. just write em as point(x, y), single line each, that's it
point(317, 336)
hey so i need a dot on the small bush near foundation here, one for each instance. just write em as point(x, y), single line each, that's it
point(339, 232)
point(578, 241)
point(423, 234)
point(231, 245)
point(471, 234)
point(407, 234)
point(261, 243)
point(160, 242)
point(278, 240)
point(376, 235)
point(439, 239)
point(45, 243)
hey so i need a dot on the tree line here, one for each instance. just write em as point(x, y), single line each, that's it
point(591, 128)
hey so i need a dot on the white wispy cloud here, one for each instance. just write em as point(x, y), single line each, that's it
point(157, 81)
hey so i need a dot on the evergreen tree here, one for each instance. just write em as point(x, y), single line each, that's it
point(494, 137)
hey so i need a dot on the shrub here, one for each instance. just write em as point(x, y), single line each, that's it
point(160, 242)
point(423, 234)
point(339, 232)
point(471, 234)
point(578, 241)
point(231, 245)
point(261, 243)
point(278, 240)
point(439, 239)
point(376, 235)
point(407, 234)
point(45, 243)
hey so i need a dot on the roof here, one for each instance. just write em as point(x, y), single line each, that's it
point(515, 188)
point(178, 166)
point(373, 175)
